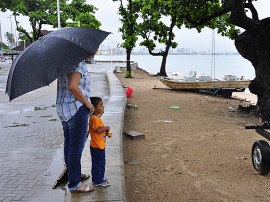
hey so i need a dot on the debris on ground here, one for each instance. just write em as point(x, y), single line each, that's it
point(241, 158)
point(175, 107)
point(17, 125)
point(135, 135)
point(129, 106)
point(40, 108)
point(132, 162)
point(163, 121)
point(232, 109)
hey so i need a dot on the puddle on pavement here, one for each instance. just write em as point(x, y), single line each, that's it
point(30, 109)
point(50, 195)
point(46, 116)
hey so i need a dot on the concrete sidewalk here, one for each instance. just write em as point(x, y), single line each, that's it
point(31, 141)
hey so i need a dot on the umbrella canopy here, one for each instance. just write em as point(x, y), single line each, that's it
point(50, 57)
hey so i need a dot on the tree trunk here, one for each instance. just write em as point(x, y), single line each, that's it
point(168, 45)
point(128, 75)
point(163, 65)
point(254, 45)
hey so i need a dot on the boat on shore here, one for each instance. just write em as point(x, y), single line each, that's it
point(205, 84)
point(198, 85)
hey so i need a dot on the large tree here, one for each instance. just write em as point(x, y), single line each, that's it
point(155, 30)
point(43, 12)
point(161, 17)
point(128, 16)
point(254, 45)
point(10, 38)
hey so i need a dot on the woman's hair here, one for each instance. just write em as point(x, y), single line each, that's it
point(95, 101)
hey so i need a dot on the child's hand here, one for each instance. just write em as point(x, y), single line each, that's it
point(109, 134)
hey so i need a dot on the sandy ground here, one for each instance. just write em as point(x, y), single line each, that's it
point(200, 152)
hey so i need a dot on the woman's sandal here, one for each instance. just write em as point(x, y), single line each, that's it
point(84, 176)
point(87, 188)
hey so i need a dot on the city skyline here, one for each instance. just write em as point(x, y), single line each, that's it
point(107, 50)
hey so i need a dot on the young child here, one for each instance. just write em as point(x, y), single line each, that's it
point(98, 134)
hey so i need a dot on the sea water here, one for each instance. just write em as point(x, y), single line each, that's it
point(215, 66)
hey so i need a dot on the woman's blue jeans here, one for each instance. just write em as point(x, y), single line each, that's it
point(75, 136)
point(98, 165)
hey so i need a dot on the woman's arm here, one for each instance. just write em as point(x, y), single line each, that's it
point(76, 92)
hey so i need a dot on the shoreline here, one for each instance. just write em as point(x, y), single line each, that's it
point(246, 96)
point(225, 64)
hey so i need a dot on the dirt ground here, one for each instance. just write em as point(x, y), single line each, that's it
point(200, 152)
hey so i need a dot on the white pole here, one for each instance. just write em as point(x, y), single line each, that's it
point(58, 14)
point(11, 31)
point(1, 45)
point(79, 23)
point(15, 34)
point(10, 24)
point(111, 54)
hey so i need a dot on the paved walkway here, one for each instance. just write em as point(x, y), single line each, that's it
point(31, 140)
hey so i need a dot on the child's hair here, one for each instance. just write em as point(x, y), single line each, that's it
point(95, 101)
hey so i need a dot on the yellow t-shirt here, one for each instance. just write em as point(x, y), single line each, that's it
point(98, 140)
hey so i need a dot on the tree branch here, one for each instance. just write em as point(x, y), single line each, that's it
point(208, 18)
point(252, 9)
point(239, 17)
point(21, 30)
point(155, 54)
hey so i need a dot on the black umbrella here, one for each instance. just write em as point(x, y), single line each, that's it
point(50, 57)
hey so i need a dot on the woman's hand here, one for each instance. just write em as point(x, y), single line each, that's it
point(90, 107)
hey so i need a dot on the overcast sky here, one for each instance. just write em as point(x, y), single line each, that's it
point(108, 16)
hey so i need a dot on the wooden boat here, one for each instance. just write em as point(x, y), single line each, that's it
point(198, 85)
point(215, 87)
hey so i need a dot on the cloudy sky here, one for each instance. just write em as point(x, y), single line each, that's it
point(107, 15)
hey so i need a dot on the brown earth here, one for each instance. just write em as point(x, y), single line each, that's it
point(200, 152)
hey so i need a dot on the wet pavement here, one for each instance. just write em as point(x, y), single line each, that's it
point(31, 140)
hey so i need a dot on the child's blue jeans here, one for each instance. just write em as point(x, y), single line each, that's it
point(98, 165)
point(75, 136)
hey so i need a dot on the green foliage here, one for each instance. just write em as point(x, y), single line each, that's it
point(128, 17)
point(23, 37)
point(128, 74)
point(3, 46)
point(158, 16)
point(10, 38)
point(42, 12)
point(159, 19)
point(209, 13)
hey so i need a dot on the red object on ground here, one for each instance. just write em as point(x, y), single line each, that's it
point(129, 91)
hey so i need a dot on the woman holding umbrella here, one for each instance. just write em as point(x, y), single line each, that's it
point(38, 66)
point(73, 107)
